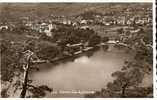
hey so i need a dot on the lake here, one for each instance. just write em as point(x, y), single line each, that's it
point(85, 74)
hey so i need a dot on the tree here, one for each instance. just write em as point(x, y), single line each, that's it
point(28, 56)
point(13, 68)
point(47, 51)
point(126, 83)
point(105, 39)
point(10, 54)
point(94, 40)
point(120, 31)
point(29, 45)
point(125, 80)
point(26, 66)
point(10, 69)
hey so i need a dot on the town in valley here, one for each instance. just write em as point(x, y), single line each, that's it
point(47, 47)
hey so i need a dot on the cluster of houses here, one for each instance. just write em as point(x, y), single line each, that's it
point(125, 20)
point(44, 28)
point(46, 25)
point(84, 23)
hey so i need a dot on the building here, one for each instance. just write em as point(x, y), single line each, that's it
point(5, 27)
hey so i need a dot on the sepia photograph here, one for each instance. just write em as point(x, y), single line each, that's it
point(76, 50)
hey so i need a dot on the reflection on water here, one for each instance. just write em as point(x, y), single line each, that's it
point(83, 59)
point(84, 73)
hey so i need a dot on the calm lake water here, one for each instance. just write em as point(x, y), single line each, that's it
point(84, 73)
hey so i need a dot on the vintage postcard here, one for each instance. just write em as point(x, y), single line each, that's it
point(77, 49)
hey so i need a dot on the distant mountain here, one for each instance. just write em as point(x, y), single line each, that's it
point(14, 10)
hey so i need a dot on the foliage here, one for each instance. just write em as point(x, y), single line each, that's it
point(126, 83)
point(47, 51)
point(38, 91)
point(138, 92)
point(94, 40)
point(131, 76)
point(90, 15)
point(127, 80)
point(105, 39)
point(4, 93)
point(10, 54)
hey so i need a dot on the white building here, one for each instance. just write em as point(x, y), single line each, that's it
point(48, 30)
point(84, 27)
point(4, 27)
point(83, 22)
point(67, 22)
